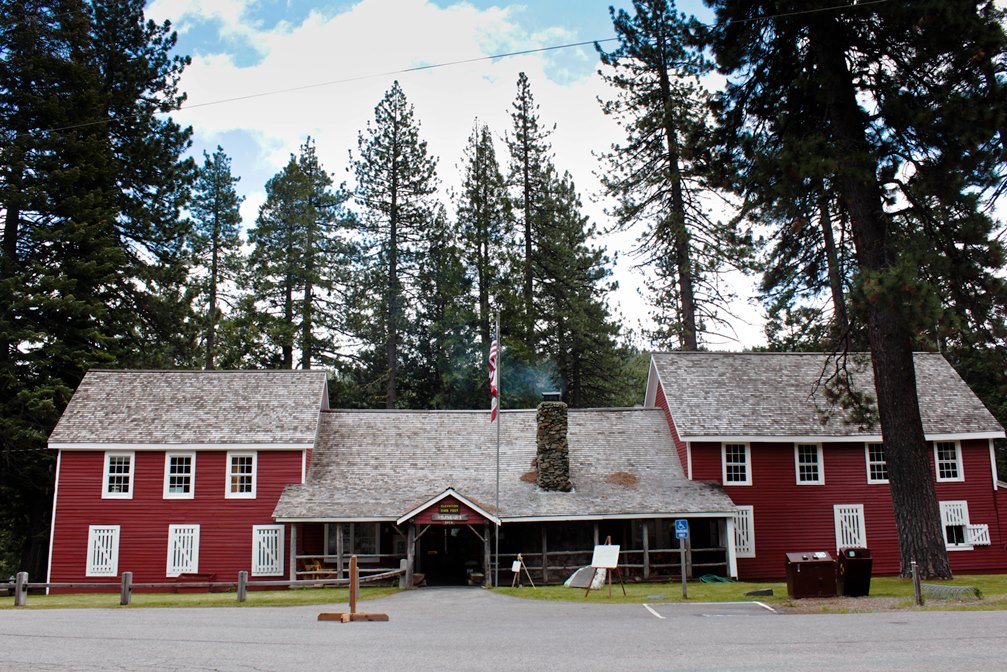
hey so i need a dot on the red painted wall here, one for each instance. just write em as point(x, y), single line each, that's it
point(680, 446)
point(791, 517)
point(225, 524)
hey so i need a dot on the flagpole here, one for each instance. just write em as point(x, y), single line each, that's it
point(496, 553)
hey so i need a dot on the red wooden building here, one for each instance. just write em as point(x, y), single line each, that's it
point(803, 479)
point(165, 473)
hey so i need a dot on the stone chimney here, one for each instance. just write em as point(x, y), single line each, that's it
point(553, 451)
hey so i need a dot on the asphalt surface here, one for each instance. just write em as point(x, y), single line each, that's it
point(471, 629)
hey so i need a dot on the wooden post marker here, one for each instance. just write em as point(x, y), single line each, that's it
point(352, 615)
point(516, 568)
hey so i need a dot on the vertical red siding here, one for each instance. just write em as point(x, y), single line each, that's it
point(225, 524)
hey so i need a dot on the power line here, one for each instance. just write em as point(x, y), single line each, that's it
point(446, 64)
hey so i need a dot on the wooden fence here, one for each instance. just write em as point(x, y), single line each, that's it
point(21, 585)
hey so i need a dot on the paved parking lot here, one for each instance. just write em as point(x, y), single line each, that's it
point(470, 629)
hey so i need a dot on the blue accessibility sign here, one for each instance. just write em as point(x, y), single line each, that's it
point(681, 528)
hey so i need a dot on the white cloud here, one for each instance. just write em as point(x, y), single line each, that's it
point(352, 49)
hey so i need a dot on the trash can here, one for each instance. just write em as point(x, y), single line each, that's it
point(854, 572)
point(811, 574)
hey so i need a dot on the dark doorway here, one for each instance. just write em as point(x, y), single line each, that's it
point(449, 555)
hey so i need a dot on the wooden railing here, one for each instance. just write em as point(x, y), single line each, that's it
point(21, 585)
point(635, 564)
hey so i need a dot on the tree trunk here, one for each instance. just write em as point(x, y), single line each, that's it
point(211, 327)
point(840, 320)
point(394, 291)
point(677, 229)
point(917, 514)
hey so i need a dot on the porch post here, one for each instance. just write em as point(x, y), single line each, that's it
point(293, 551)
point(646, 549)
point(596, 542)
point(545, 557)
point(410, 553)
point(487, 556)
point(732, 551)
point(339, 550)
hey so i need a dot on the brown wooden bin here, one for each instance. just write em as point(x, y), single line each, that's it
point(854, 572)
point(811, 574)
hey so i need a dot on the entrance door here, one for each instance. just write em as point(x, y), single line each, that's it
point(449, 555)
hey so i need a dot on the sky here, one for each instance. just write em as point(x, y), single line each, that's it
point(266, 74)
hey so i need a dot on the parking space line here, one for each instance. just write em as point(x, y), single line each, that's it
point(653, 611)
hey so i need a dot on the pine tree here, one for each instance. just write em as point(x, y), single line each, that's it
point(530, 161)
point(300, 264)
point(396, 183)
point(658, 175)
point(215, 243)
point(576, 330)
point(911, 146)
point(486, 225)
point(91, 186)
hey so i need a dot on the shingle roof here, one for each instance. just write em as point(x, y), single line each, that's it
point(381, 464)
point(728, 394)
point(193, 407)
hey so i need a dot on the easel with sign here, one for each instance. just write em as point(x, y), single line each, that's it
point(606, 556)
point(516, 568)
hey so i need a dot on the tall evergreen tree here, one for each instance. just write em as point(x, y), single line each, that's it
point(300, 263)
point(91, 185)
point(657, 175)
point(530, 161)
point(442, 367)
point(576, 330)
point(910, 132)
point(396, 184)
point(486, 224)
point(215, 243)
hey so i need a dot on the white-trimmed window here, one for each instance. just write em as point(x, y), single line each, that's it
point(877, 466)
point(241, 472)
point(955, 522)
point(808, 464)
point(267, 550)
point(118, 480)
point(179, 475)
point(744, 531)
point(948, 460)
point(183, 549)
point(736, 458)
point(851, 528)
point(102, 550)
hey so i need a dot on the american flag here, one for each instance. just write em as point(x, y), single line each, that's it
point(494, 376)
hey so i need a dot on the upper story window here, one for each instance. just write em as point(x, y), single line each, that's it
point(241, 468)
point(118, 481)
point(948, 460)
point(808, 463)
point(737, 464)
point(877, 466)
point(179, 475)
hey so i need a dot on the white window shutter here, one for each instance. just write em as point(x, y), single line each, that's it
point(744, 532)
point(183, 549)
point(267, 550)
point(850, 526)
point(102, 550)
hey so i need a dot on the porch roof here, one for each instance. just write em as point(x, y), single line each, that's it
point(379, 465)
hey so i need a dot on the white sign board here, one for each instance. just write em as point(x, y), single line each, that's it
point(606, 556)
point(516, 567)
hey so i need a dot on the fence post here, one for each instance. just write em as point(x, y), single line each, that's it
point(21, 589)
point(126, 589)
point(242, 585)
point(918, 594)
point(404, 568)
